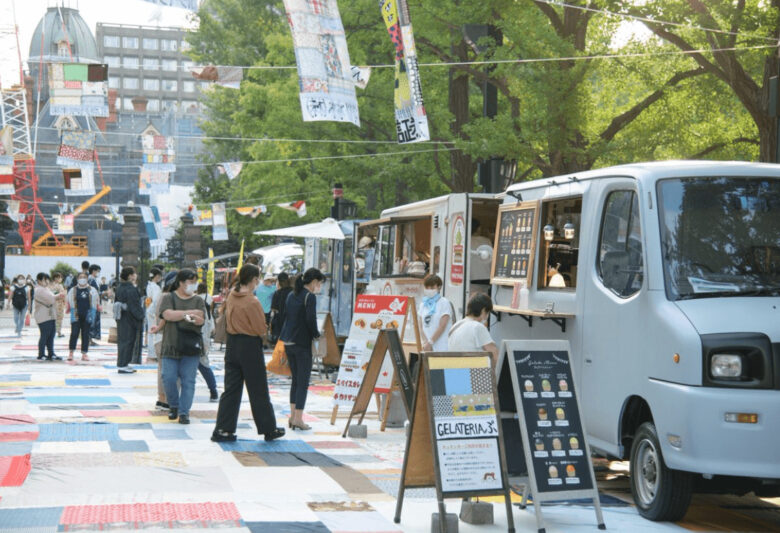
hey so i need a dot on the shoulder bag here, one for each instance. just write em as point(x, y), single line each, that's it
point(188, 341)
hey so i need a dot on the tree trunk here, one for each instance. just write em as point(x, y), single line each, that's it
point(462, 166)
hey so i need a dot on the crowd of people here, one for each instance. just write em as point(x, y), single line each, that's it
point(178, 316)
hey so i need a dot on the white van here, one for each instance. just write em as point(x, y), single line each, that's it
point(665, 279)
point(450, 236)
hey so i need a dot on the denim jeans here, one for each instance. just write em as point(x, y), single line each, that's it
point(208, 376)
point(46, 340)
point(19, 315)
point(186, 370)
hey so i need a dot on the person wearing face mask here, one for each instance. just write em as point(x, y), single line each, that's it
point(298, 332)
point(130, 321)
point(45, 316)
point(19, 297)
point(435, 315)
point(183, 314)
point(82, 302)
point(244, 361)
point(471, 334)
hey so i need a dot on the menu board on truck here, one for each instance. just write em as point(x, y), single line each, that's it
point(516, 232)
point(372, 313)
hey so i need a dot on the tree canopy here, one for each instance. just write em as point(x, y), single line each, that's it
point(576, 91)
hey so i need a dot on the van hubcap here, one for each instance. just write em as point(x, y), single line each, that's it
point(647, 473)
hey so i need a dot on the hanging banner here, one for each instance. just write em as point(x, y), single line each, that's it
point(229, 77)
point(298, 207)
point(203, 217)
point(152, 181)
point(232, 169)
point(77, 149)
point(7, 146)
point(6, 175)
point(78, 89)
point(210, 274)
point(151, 228)
point(327, 91)
point(63, 224)
point(219, 222)
point(79, 181)
point(411, 122)
point(13, 210)
point(159, 153)
point(360, 76)
point(253, 212)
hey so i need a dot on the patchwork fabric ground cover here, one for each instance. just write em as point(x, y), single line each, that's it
point(82, 448)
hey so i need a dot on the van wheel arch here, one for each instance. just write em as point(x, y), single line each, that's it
point(636, 411)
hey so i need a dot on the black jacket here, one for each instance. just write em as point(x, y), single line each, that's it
point(278, 308)
point(128, 294)
point(300, 324)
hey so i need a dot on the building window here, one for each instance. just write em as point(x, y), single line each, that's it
point(127, 104)
point(151, 85)
point(151, 64)
point(187, 65)
point(130, 62)
point(189, 86)
point(151, 44)
point(169, 65)
point(130, 83)
point(189, 106)
point(113, 82)
point(112, 61)
point(170, 45)
point(170, 105)
point(170, 85)
point(129, 42)
point(111, 41)
point(153, 105)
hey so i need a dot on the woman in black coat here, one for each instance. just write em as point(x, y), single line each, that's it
point(130, 321)
point(298, 332)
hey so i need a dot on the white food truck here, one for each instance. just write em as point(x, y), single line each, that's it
point(665, 279)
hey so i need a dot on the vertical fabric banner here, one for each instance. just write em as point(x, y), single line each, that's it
point(327, 91)
point(240, 257)
point(210, 273)
point(219, 222)
point(411, 122)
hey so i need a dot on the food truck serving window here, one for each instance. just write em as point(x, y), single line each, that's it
point(404, 247)
point(560, 243)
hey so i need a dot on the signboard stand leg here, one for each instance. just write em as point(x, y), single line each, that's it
point(333, 415)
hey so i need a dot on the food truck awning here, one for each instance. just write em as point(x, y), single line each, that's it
point(327, 229)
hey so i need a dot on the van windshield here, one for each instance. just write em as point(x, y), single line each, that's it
point(720, 236)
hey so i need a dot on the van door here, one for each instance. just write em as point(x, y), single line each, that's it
point(612, 317)
point(453, 240)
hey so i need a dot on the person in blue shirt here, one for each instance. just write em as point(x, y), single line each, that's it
point(265, 292)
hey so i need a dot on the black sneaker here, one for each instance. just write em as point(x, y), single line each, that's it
point(174, 414)
point(184, 419)
point(125, 370)
point(41, 358)
point(54, 358)
point(214, 396)
point(275, 434)
point(222, 436)
point(162, 405)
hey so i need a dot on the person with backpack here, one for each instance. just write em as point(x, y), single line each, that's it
point(20, 298)
point(130, 319)
point(45, 317)
point(278, 303)
point(82, 302)
point(204, 366)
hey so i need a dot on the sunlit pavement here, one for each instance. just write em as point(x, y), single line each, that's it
point(82, 448)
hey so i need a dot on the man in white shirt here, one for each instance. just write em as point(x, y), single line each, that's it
point(470, 334)
point(435, 315)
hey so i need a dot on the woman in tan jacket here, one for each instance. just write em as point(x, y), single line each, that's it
point(244, 361)
point(45, 315)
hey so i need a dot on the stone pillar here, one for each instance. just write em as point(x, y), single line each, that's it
point(191, 245)
point(130, 245)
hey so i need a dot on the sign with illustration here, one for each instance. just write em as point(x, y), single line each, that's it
point(557, 456)
point(516, 232)
point(455, 440)
point(457, 264)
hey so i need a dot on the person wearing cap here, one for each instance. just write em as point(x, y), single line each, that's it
point(265, 292)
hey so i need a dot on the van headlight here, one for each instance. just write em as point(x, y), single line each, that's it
point(726, 366)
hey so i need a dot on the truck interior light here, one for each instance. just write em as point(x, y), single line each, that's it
point(742, 418)
point(676, 358)
point(728, 366)
point(549, 232)
point(675, 440)
point(484, 252)
point(569, 231)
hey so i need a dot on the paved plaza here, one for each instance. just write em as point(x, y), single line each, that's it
point(82, 448)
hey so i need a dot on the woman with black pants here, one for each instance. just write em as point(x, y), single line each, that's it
point(83, 302)
point(244, 362)
point(298, 332)
point(130, 321)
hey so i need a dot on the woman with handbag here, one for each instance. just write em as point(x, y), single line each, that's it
point(244, 361)
point(184, 314)
point(298, 332)
point(130, 319)
point(82, 302)
point(45, 316)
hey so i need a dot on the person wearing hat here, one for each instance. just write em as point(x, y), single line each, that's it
point(265, 292)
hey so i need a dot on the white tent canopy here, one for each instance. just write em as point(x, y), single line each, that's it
point(280, 257)
point(327, 229)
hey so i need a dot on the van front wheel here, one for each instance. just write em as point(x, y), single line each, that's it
point(660, 493)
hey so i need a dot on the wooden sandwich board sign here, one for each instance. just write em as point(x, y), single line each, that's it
point(454, 441)
point(557, 455)
point(327, 347)
point(372, 313)
point(388, 342)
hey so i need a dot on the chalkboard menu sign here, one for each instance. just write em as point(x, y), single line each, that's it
point(403, 375)
point(516, 232)
point(551, 426)
point(553, 420)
